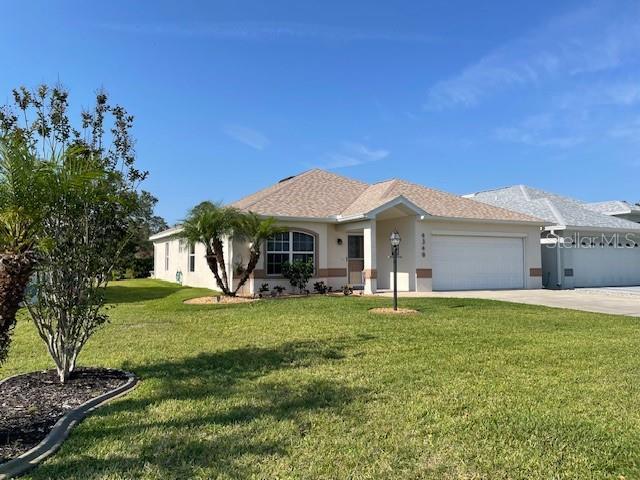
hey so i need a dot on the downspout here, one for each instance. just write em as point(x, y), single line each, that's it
point(558, 259)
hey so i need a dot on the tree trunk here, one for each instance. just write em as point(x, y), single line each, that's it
point(15, 272)
point(212, 262)
point(253, 261)
point(218, 251)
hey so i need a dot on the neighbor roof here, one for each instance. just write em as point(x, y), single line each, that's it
point(613, 207)
point(324, 195)
point(559, 210)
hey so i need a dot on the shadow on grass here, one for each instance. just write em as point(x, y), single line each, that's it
point(214, 410)
point(126, 294)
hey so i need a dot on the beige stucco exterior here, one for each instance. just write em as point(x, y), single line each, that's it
point(414, 264)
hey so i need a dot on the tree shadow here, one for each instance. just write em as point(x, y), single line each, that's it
point(236, 397)
point(116, 294)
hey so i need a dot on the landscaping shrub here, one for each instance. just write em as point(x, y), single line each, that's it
point(298, 273)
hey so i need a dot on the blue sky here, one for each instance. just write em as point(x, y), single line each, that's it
point(231, 96)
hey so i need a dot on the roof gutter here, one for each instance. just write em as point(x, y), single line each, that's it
point(166, 233)
point(538, 223)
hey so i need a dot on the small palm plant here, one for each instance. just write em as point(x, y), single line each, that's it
point(23, 191)
point(256, 231)
point(209, 223)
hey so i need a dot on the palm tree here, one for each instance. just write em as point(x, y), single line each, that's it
point(23, 188)
point(209, 223)
point(255, 230)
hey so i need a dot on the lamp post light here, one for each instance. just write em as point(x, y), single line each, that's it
point(395, 248)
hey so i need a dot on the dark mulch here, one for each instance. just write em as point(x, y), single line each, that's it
point(31, 404)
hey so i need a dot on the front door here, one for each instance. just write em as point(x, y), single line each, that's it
point(355, 259)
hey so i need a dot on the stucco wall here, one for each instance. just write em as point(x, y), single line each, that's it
point(331, 260)
point(178, 262)
point(406, 227)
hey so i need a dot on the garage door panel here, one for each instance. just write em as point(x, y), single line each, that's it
point(476, 263)
point(606, 266)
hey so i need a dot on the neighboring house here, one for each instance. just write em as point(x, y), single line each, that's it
point(616, 208)
point(343, 226)
point(580, 247)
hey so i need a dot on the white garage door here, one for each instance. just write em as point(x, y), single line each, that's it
point(606, 266)
point(476, 263)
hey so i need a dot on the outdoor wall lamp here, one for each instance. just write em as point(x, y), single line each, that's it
point(395, 240)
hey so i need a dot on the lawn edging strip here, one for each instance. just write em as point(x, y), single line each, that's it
point(61, 430)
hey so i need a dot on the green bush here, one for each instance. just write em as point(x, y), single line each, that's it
point(298, 273)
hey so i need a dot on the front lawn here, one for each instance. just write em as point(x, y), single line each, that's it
point(320, 388)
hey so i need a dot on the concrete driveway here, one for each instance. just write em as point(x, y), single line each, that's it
point(614, 300)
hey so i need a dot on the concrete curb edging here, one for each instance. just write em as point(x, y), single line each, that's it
point(60, 431)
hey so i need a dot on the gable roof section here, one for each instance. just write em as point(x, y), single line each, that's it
point(434, 202)
point(553, 208)
point(324, 195)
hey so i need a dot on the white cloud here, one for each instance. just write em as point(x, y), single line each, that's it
point(601, 94)
point(627, 130)
point(248, 136)
point(593, 39)
point(353, 154)
point(534, 139)
point(542, 130)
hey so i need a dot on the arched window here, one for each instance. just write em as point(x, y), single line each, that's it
point(288, 247)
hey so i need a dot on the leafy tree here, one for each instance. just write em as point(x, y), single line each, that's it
point(86, 222)
point(298, 273)
point(136, 259)
point(209, 223)
point(23, 190)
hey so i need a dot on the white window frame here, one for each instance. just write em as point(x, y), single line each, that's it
point(191, 258)
point(166, 256)
point(291, 252)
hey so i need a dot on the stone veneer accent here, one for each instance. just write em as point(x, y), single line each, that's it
point(424, 273)
point(332, 272)
point(370, 273)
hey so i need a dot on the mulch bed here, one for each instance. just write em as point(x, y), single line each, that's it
point(221, 300)
point(31, 404)
point(391, 311)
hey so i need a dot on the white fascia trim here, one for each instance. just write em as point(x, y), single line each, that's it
point(282, 218)
point(165, 234)
point(541, 223)
point(458, 233)
point(394, 202)
point(603, 229)
point(551, 228)
point(350, 218)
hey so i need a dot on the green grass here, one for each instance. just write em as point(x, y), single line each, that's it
point(320, 388)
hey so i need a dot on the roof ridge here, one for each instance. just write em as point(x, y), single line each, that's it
point(392, 183)
point(555, 211)
point(523, 189)
point(276, 187)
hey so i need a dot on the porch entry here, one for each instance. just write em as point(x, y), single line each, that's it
point(355, 259)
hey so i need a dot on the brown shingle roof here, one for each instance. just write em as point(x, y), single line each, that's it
point(320, 194)
point(314, 193)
